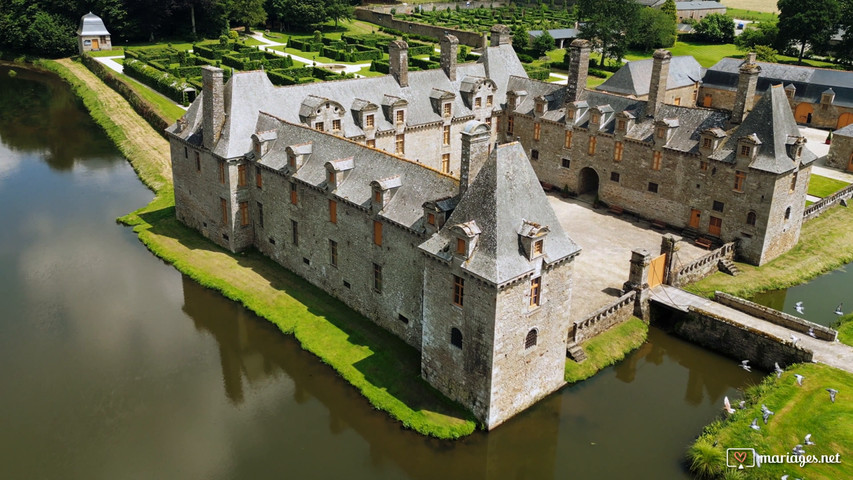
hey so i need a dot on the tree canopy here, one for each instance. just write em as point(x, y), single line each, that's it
point(716, 28)
point(542, 44)
point(605, 23)
point(653, 29)
point(807, 23)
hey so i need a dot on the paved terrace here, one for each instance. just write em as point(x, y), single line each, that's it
point(834, 354)
point(606, 241)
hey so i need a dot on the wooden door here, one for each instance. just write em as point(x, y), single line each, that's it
point(850, 163)
point(803, 113)
point(694, 218)
point(706, 102)
point(95, 45)
point(715, 225)
point(844, 119)
point(656, 270)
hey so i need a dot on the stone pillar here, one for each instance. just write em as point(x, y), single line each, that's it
point(398, 61)
point(475, 150)
point(746, 83)
point(668, 246)
point(449, 50)
point(213, 105)
point(638, 280)
point(501, 35)
point(657, 86)
point(578, 68)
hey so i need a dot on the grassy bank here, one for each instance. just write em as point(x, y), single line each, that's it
point(824, 246)
point(607, 349)
point(382, 367)
point(821, 186)
point(798, 411)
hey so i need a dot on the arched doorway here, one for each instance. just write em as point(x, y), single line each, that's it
point(588, 182)
point(803, 113)
point(843, 120)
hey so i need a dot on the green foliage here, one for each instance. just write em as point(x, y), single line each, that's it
point(605, 24)
point(807, 23)
point(764, 33)
point(542, 44)
point(669, 8)
point(520, 39)
point(247, 12)
point(845, 22)
point(31, 29)
point(607, 348)
point(163, 82)
point(716, 28)
point(654, 29)
point(538, 73)
point(821, 186)
point(763, 53)
point(706, 460)
point(298, 14)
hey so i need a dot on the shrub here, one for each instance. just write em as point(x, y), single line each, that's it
point(163, 82)
point(706, 460)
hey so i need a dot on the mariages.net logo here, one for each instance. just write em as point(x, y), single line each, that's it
point(742, 458)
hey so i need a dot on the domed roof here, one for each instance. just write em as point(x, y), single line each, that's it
point(92, 24)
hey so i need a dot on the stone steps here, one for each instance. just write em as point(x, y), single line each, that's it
point(575, 352)
point(729, 267)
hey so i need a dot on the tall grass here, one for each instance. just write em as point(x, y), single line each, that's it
point(607, 348)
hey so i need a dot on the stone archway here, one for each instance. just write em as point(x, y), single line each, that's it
point(803, 113)
point(588, 181)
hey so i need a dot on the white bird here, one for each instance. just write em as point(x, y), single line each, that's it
point(799, 379)
point(809, 439)
point(728, 406)
point(794, 339)
point(799, 307)
point(744, 365)
point(811, 332)
point(766, 414)
point(799, 304)
point(832, 393)
point(784, 477)
point(741, 404)
point(777, 369)
point(754, 424)
point(838, 309)
point(798, 450)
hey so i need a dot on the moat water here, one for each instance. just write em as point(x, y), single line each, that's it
point(117, 366)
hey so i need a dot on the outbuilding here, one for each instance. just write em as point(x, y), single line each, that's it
point(92, 35)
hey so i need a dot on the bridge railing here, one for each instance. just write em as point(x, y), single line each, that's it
point(776, 317)
point(702, 266)
point(816, 209)
point(603, 318)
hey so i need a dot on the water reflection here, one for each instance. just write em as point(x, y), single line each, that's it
point(820, 297)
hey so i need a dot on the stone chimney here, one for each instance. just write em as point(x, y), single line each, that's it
point(213, 105)
point(657, 86)
point(578, 68)
point(398, 59)
point(501, 35)
point(475, 151)
point(449, 48)
point(746, 83)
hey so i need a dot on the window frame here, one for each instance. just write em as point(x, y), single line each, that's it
point(458, 291)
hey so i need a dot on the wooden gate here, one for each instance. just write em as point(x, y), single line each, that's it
point(656, 270)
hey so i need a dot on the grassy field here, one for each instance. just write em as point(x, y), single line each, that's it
point(607, 349)
point(798, 411)
point(756, 16)
point(755, 5)
point(821, 186)
point(845, 329)
point(824, 246)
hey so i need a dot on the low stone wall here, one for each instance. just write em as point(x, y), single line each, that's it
point(603, 318)
point(433, 31)
point(816, 209)
point(702, 266)
point(775, 316)
point(737, 341)
point(428, 7)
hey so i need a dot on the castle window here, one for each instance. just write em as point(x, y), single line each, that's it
point(592, 142)
point(530, 339)
point(661, 132)
point(566, 163)
point(377, 278)
point(333, 253)
point(222, 172)
point(745, 150)
point(617, 151)
point(244, 214)
point(461, 247)
point(656, 160)
point(377, 196)
point(223, 207)
point(445, 163)
point(677, 101)
point(717, 206)
point(431, 219)
point(750, 218)
point(488, 121)
point(377, 233)
point(446, 137)
point(706, 143)
point(787, 213)
point(186, 152)
point(371, 143)
point(540, 107)
point(614, 177)
point(291, 161)
point(400, 144)
point(594, 117)
point(535, 291)
point(653, 187)
point(368, 121)
point(715, 225)
point(509, 124)
point(333, 211)
point(620, 125)
point(319, 126)
point(261, 214)
point(478, 102)
point(567, 143)
point(401, 116)
point(739, 180)
point(490, 100)
point(456, 337)
point(259, 179)
point(538, 246)
point(447, 107)
point(197, 162)
point(458, 291)
point(294, 195)
point(537, 131)
point(241, 176)
point(570, 114)
point(330, 177)
point(402, 318)
point(336, 125)
point(294, 232)
point(534, 154)
point(794, 182)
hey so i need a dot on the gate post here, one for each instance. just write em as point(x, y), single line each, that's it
point(668, 246)
point(638, 281)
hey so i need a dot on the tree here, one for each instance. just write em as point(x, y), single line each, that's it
point(543, 43)
point(520, 39)
point(654, 29)
point(339, 10)
point(764, 33)
point(845, 49)
point(670, 9)
point(763, 53)
point(716, 28)
point(247, 13)
point(605, 23)
point(303, 14)
point(807, 22)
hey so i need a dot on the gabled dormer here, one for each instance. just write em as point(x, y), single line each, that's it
point(540, 106)
point(664, 130)
point(532, 237)
point(297, 155)
point(436, 213)
point(337, 171)
point(827, 97)
point(511, 100)
point(382, 191)
point(395, 109)
point(747, 147)
point(464, 237)
point(794, 146)
point(261, 142)
point(364, 113)
point(575, 111)
point(790, 91)
point(599, 115)
point(442, 102)
point(624, 122)
point(710, 139)
point(322, 114)
point(477, 92)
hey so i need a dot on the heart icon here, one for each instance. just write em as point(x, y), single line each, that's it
point(740, 456)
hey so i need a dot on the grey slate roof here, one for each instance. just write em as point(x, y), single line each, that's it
point(810, 82)
point(91, 24)
point(844, 132)
point(557, 33)
point(635, 77)
point(702, 5)
point(772, 123)
point(505, 194)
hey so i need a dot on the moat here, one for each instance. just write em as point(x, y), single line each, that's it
point(116, 365)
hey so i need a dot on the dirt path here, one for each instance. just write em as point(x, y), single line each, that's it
point(144, 147)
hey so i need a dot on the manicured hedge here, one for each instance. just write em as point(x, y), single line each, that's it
point(423, 64)
point(305, 44)
point(538, 73)
point(163, 82)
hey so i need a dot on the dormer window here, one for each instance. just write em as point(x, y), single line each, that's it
point(478, 102)
point(291, 161)
point(533, 239)
point(337, 170)
point(369, 121)
point(538, 247)
point(461, 246)
point(706, 143)
point(570, 114)
point(540, 107)
point(466, 235)
point(336, 125)
point(383, 191)
point(745, 151)
point(620, 125)
point(447, 109)
point(431, 219)
point(594, 117)
point(400, 116)
point(661, 132)
point(490, 100)
point(790, 91)
point(319, 126)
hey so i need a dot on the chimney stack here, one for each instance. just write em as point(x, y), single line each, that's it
point(213, 105)
point(660, 76)
point(475, 151)
point(449, 48)
point(746, 83)
point(501, 35)
point(398, 59)
point(578, 68)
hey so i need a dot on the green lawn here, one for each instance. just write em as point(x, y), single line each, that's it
point(115, 52)
point(845, 329)
point(365, 71)
point(798, 411)
point(820, 186)
point(607, 349)
point(742, 14)
point(165, 106)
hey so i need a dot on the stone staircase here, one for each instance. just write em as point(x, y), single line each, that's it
point(729, 267)
point(689, 233)
point(575, 352)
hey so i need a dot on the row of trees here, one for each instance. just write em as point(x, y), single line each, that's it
point(48, 27)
